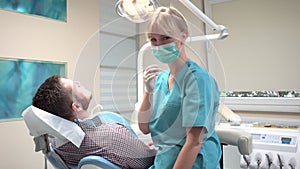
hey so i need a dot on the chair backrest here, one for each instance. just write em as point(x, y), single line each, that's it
point(55, 159)
point(88, 162)
point(42, 144)
point(40, 122)
point(34, 118)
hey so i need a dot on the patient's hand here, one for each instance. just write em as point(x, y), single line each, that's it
point(151, 145)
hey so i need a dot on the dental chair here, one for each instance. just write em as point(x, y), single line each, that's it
point(44, 126)
point(89, 162)
point(233, 136)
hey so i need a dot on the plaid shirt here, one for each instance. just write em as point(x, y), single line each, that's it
point(111, 141)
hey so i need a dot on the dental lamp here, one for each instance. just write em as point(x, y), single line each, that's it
point(139, 11)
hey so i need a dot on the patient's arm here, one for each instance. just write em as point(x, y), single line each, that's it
point(131, 151)
point(112, 141)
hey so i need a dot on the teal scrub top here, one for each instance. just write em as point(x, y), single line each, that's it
point(192, 102)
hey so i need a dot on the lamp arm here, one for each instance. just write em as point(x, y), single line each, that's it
point(201, 15)
point(220, 28)
point(140, 70)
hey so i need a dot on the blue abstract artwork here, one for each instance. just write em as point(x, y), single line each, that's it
point(54, 9)
point(19, 81)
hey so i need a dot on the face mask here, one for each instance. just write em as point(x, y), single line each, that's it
point(167, 53)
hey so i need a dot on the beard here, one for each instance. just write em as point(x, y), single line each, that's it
point(84, 101)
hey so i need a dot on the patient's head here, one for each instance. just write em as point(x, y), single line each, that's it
point(62, 97)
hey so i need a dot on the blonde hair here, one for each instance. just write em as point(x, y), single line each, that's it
point(167, 21)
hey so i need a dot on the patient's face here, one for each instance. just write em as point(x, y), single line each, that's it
point(80, 93)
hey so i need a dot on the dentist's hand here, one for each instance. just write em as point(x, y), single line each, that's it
point(150, 74)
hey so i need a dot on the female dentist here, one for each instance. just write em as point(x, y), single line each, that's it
point(180, 110)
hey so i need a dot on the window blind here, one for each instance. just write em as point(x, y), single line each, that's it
point(118, 46)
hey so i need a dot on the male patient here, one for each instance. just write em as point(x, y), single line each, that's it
point(70, 100)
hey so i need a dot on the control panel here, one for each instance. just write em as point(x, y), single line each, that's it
point(275, 139)
point(273, 148)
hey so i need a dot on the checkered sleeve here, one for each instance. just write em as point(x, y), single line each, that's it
point(128, 150)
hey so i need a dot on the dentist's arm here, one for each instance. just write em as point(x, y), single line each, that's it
point(190, 149)
point(145, 110)
point(144, 114)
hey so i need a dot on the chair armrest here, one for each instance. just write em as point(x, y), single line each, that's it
point(97, 161)
point(55, 159)
point(236, 137)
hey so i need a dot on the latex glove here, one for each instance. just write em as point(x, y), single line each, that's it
point(150, 74)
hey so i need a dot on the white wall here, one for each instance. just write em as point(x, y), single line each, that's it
point(262, 50)
point(38, 38)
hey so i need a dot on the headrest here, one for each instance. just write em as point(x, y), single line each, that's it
point(228, 114)
point(40, 122)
